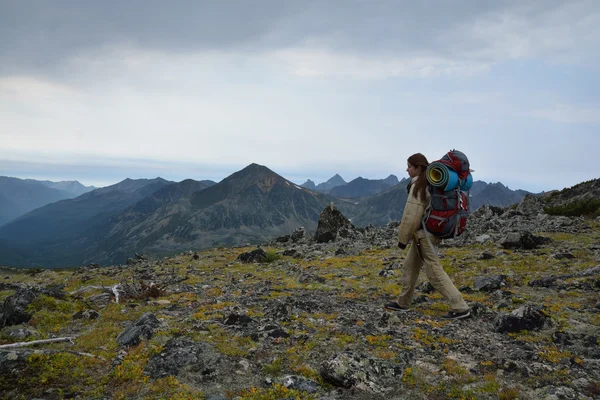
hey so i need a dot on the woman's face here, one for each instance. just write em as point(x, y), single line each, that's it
point(412, 170)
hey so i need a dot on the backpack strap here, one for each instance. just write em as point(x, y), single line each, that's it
point(459, 205)
point(433, 249)
point(428, 215)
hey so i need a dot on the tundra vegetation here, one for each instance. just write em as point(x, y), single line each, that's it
point(306, 322)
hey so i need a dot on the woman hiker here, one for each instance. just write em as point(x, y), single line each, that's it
point(421, 252)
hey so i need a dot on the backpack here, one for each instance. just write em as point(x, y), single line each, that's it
point(449, 181)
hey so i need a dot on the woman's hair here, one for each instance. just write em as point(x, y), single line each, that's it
point(419, 160)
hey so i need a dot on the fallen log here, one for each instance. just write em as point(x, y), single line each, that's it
point(34, 342)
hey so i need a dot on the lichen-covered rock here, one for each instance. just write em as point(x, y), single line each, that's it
point(100, 300)
point(298, 234)
point(300, 383)
point(254, 256)
point(332, 223)
point(86, 314)
point(360, 371)
point(523, 318)
point(143, 328)
point(181, 354)
point(530, 205)
point(237, 319)
point(519, 240)
point(14, 310)
point(489, 283)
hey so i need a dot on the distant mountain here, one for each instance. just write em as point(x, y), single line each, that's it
point(309, 185)
point(361, 187)
point(19, 196)
point(391, 180)
point(73, 187)
point(250, 206)
point(56, 233)
point(494, 194)
point(332, 182)
point(110, 224)
point(158, 217)
point(383, 208)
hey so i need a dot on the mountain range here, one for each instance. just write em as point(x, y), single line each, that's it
point(19, 196)
point(160, 217)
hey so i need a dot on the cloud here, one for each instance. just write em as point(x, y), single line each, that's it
point(567, 113)
point(306, 87)
point(400, 36)
point(323, 64)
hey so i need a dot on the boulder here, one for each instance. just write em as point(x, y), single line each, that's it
point(86, 314)
point(181, 356)
point(349, 370)
point(523, 318)
point(333, 224)
point(254, 256)
point(530, 205)
point(298, 234)
point(14, 310)
point(489, 283)
point(237, 319)
point(300, 383)
point(22, 333)
point(143, 328)
point(523, 240)
point(100, 300)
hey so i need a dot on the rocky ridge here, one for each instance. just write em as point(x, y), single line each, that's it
point(302, 317)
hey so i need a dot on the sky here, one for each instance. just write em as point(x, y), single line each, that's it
point(102, 91)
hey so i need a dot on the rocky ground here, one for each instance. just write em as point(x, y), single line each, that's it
point(302, 318)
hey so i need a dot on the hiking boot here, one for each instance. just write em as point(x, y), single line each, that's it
point(395, 306)
point(457, 315)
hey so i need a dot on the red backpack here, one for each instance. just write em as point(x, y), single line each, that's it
point(449, 181)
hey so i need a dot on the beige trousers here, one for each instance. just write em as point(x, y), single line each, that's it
point(436, 275)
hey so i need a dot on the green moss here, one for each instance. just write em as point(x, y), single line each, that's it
point(50, 315)
point(67, 373)
point(273, 368)
point(272, 256)
point(275, 393)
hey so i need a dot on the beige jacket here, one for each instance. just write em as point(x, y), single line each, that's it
point(412, 216)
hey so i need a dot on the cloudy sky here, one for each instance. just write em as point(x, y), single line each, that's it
point(99, 91)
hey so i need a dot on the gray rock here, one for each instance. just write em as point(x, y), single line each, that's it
point(87, 314)
point(530, 205)
point(181, 356)
point(563, 256)
point(426, 287)
point(14, 310)
point(237, 319)
point(143, 328)
point(489, 283)
point(386, 273)
point(254, 256)
point(518, 240)
point(300, 383)
point(306, 278)
point(22, 333)
point(100, 300)
point(523, 318)
point(298, 234)
point(353, 370)
point(332, 224)
point(13, 361)
point(483, 238)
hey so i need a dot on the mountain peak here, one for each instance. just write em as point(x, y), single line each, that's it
point(337, 179)
point(309, 185)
